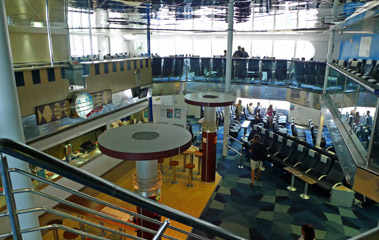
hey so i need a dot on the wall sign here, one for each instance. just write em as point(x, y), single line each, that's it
point(82, 104)
point(365, 46)
point(55, 111)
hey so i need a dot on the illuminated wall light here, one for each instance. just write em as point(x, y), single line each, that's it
point(37, 24)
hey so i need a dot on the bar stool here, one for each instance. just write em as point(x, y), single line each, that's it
point(160, 163)
point(70, 235)
point(173, 164)
point(190, 166)
point(169, 164)
point(55, 230)
point(185, 153)
point(199, 156)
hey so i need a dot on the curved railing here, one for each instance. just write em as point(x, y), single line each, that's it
point(35, 157)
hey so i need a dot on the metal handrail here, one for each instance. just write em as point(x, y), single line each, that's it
point(236, 151)
point(162, 229)
point(104, 203)
point(45, 161)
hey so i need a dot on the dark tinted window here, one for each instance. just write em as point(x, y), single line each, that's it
point(114, 67)
point(97, 69)
point(129, 65)
point(106, 68)
point(135, 64)
point(62, 73)
point(50, 75)
point(121, 66)
point(36, 77)
point(146, 62)
point(19, 76)
point(141, 63)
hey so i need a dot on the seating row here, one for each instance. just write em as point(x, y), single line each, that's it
point(367, 70)
point(318, 164)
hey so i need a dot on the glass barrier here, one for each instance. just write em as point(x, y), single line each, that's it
point(296, 74)
point(356, 106)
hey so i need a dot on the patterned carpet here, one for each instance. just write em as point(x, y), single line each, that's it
point(268, 210)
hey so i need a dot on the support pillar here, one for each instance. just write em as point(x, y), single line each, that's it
point(147, 182)
point(228, 76)
point(11, 127)
point(209, 141)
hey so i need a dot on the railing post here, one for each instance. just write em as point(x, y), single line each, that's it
point(9, 198)
point(162, 229)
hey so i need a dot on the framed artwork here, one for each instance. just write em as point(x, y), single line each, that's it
point(178, 113)
point(163, 112)
point(169, 113)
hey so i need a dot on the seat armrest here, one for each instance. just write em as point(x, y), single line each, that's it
point(297, 164)
point(336, 185)
point(309, 170)
point(321, 177)
point(285, 159)
point(275, 154)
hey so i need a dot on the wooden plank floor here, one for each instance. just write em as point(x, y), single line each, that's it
point(191, 200)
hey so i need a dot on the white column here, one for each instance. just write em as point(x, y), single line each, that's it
point(228, 76)
point(11, 127)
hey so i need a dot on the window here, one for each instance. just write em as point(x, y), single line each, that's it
point(36, 77)
point(19, 76)
point(202, 48)
point(50, 75)
point(304, 49)
point(284, 49)
point(261, 48)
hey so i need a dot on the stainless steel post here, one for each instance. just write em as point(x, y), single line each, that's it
point(90, 29)
point(228, 76)
point(49, 33)
point(9, 198)
point(329, 57)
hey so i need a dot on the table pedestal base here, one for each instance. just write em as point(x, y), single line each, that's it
point(292, 188)
point(305, 195)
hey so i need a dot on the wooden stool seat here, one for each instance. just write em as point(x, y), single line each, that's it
point(185, 154)
point(199, 156)
point(190, 166)
point(174, 164)
point(70, 235)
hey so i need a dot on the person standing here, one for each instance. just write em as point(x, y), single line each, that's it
point(238, 53)
point(238, 110)
point(250, 108)
point(270, 114)
point(258, 153)
point(244, 54)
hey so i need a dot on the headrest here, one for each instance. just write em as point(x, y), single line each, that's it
point(369, 62)
point(354, 64)
point(289, 143)
point(255, 127)
point(300, 148)
point(263, 130)
point(271, 134)
point(280, 139)
point(311, 153)
point(324, 159)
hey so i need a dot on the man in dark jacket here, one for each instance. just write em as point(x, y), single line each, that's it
point(258, 153)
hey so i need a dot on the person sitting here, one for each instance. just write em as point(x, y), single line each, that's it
point(238, 110)
point(257, 113)
point(250, 108)
point(308, 232)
